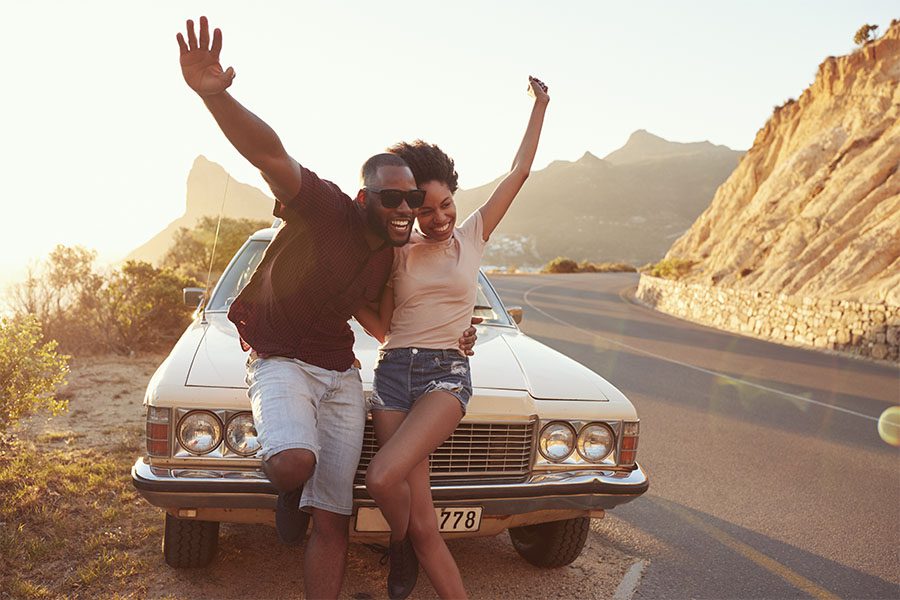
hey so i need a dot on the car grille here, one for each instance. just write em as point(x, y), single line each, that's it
point(475, 451)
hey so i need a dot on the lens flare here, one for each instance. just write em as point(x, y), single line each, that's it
point(889, 426)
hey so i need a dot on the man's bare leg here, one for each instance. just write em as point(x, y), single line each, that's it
point(326, 554)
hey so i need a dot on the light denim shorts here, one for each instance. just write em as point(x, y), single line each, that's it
point(299, 405)
point(404, 375)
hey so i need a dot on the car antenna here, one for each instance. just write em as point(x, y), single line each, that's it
point(212, 256)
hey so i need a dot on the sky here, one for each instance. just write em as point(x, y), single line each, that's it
point(99, 130)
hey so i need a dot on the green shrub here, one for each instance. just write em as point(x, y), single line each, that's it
point(30, 371)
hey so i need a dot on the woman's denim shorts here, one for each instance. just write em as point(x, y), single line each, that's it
point(404, 375)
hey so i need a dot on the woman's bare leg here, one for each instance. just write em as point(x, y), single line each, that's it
point(432, 419)
point(386, 423)
point(398, 480)
point(431, 550)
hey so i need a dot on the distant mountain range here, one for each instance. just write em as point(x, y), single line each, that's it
point(629, 206)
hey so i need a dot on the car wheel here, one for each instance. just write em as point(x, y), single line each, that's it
point(553, 544)
point(188, 543)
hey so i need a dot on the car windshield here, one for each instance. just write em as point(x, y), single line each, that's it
point(238, 272)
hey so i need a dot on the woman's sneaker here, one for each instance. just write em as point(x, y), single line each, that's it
point(290, 521)
point(404, 569)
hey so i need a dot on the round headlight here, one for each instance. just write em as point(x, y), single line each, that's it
point(199, 432)
point(595, 442)
point(240, 435)
point(557, 441)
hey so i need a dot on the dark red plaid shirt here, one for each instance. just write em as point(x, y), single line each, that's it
point(316, 272)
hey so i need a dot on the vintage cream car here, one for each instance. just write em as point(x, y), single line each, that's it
point(545, 446)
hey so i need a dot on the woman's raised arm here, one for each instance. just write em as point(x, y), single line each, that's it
point(495, 208)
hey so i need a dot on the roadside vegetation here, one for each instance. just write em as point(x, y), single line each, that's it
point(30, 371)
point(192, 249)
point(128, 309)
point(668, 268)
point(564, 264)
point(71, 525)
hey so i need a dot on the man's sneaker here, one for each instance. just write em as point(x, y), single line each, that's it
point(404, 569)
point(290, 521)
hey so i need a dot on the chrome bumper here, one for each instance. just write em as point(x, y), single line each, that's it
point(579, 490)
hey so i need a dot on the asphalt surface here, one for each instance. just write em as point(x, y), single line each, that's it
point(768, 478)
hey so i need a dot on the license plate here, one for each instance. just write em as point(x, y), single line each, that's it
point(451, 519)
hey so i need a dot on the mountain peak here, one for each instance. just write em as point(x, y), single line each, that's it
point(642, 135)
point(643, 145)
point(588, 158)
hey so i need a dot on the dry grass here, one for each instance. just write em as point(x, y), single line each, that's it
point(71, 525)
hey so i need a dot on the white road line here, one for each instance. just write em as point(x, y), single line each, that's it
point(694, 367)
point(629, 584)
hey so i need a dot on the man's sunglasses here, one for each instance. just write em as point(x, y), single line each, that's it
point(394, 198)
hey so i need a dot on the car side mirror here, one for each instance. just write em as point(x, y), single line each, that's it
point(516, 313)
point(193, 296)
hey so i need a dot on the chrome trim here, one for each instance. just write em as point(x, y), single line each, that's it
point(545, 491)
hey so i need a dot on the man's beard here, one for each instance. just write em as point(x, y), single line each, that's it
point(381, 231)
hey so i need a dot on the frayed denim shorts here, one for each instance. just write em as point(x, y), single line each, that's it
point(404, 375)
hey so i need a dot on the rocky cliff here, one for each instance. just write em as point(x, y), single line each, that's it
point(813, 208)
point(204, 197)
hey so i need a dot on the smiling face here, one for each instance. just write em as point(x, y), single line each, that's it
point(437, 217)
point(390, 224)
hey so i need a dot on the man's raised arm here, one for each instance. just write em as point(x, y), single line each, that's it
point(249, 134)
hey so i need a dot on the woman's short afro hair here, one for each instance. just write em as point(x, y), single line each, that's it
point(428, 163)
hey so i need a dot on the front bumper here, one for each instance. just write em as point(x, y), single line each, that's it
point(172, 488)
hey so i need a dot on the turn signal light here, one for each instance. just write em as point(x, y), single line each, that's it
point(158, 431)
point(628, 454)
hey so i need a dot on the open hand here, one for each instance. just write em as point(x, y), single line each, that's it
point(200, 62)
point(538, 90)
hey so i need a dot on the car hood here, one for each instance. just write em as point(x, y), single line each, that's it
point(504, 358)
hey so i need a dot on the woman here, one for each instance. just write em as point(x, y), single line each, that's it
point(422, 382)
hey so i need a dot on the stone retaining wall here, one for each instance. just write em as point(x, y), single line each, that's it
point(871, 330)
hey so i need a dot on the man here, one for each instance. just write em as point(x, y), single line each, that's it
point(331, 255)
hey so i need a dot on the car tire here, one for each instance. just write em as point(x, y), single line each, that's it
point(553, 544)
point(189, 544)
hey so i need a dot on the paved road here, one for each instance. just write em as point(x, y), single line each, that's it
point(767, 475)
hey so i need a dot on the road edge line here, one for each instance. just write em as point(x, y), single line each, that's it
point(630, 582)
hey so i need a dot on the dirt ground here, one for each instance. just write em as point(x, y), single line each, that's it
point(106, 415)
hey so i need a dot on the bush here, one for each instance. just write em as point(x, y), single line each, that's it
point(30, 371)
point(669, 268)
point(137, 307)
point(560, 264)
point(605, 267)
point(192, 249)
point(864, 34)
point(143, 307)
